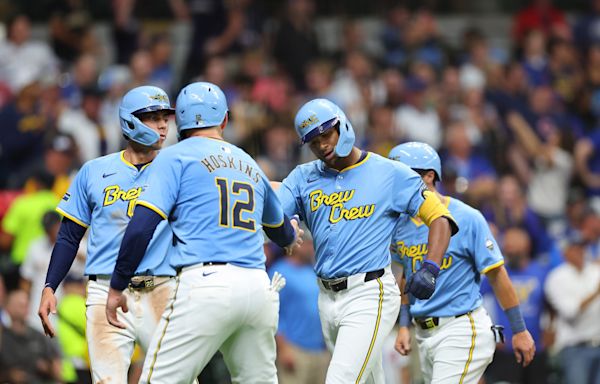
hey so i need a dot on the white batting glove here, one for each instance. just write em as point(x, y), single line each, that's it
point(277, 282)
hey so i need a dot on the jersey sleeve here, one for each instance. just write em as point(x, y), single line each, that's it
point(486, 251)
point(75, 204)
point(163, 183)
point(289, 195)
point(407, 191)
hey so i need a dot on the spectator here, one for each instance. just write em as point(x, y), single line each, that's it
point(475, 172)
point(551, 168)
point(417, 120)
point(85, 126)
point(540, 14)
point(26, 356)
point(296, 43)
point(587, 162)
point(573, 290)
point(590, 235)
point(162, 74)
point(36, 263)
point(83, 74)
point(22, 224)
point(4, 316)
point(71, 330)
point(23, 61)
point(528, 278)
point(535, 59)
point(23, 131)
point(301, 354)
point(380, 138)
point(585, 30)
point(70, 25)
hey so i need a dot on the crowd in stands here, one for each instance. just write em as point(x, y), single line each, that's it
point(518, 130)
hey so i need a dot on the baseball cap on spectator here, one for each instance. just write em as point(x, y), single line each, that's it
point(61, 142)
point(92, 91)
point(471, 77)
point(415, 84)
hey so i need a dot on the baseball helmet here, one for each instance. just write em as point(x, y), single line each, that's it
point(418, 156)
point(141, 100)
point(320, 115)
point(200, 105)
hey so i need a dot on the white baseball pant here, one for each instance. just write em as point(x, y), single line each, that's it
point(458, 349)
point(110, 348)
point(356, 322)
point(216, 307)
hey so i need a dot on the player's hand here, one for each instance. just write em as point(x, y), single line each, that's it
point(115, 300)
point(524, 347)
point(295, 221)
point(47, 306)
point(402, 344)
point(421, 284)
point(287, 359)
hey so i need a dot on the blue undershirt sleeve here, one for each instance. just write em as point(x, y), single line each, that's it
point(64, 251)
point(283, 235)
point(137, 236)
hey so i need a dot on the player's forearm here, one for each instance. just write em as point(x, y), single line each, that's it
point(133, 246)
point(503, 288)
point(64, 252)
point(439, 238)
point(282, 235)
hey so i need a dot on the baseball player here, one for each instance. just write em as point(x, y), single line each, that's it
point(216, 200)
point(102, 197)
point(454, 332)
point(351, 200)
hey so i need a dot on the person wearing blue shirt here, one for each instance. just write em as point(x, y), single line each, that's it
point(301, 353)
point(216, 200)
point(453, 330)
point(102, 198)
point(351, 200)
point(528, 278)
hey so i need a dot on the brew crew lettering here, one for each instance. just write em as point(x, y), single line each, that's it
point(113, 193)
point(337, 201)
point(417, 254)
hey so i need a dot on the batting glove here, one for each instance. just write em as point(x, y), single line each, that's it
point(421, 284)
point(277, 282)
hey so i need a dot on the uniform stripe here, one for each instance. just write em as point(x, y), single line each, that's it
point(272, 225)
point(464, 374)
point(493, 266)
point(374, 337)
point(72, 218)
point(164, 331)
point(152, 207)
point(357, 164)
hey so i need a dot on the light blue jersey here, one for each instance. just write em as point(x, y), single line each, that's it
point(102, 197)
point(472, 251)
point(352, 213)
point(216, 199)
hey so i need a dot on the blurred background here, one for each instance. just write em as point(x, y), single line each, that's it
point(507, 91)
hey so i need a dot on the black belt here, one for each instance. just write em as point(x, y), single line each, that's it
point(340, 284)
point(431, 322)
point(132, 284)
point(208, 263)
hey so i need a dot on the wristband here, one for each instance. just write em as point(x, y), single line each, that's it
point(432, 267)
point(515, 318)
point(405, 317)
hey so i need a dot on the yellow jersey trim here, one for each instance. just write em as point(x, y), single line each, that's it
point(474, 335)
point(273, 225)
point(164, 331)
point(152, 207)
point(72, 218)
point(374, 337)
point(493, 266)
point(357, 164)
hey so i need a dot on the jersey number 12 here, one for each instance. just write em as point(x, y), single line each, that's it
point(242, 195)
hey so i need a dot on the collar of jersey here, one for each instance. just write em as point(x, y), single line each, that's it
point(127, 163)
point(324, 167)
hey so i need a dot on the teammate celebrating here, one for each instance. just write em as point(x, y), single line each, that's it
point(454, 332)
point(351, 201)
point(216, 200)
point(102, 197)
